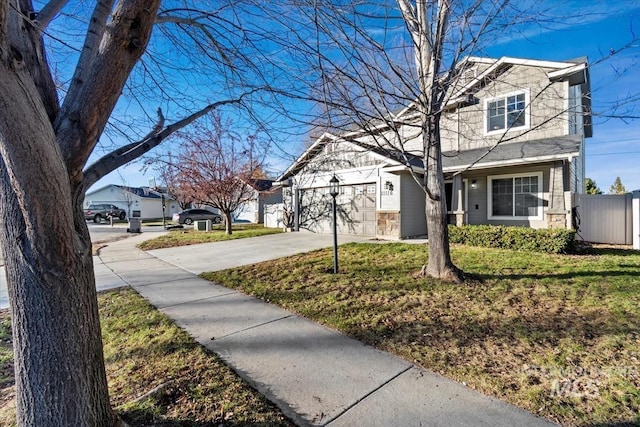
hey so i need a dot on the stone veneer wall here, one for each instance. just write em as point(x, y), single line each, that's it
point(556, 220)
point(388, 224)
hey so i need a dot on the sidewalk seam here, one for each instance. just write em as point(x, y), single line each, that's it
point(347, 409)
point(167, 281)
point(251, 327)
point(191, 301)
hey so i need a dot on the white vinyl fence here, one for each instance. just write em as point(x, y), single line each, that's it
point(273, 215)
point(608, 218)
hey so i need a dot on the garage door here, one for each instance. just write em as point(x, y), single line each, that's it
point(356, 211)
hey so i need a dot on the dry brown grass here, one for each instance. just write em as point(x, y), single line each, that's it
point(157, 374)
point(558, 335)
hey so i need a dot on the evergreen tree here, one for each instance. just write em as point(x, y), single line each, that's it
point(591, 187)
point(617, 187)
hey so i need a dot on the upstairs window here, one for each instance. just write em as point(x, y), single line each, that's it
point(507, 112)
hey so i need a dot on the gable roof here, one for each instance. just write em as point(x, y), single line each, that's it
point(260, 184)
point(574, 71)
point(505, 154)
point(561, 70)
point(318, 145)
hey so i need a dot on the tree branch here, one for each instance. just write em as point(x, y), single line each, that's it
point(85, 112)
point(95, 32)
point(126, 154)
point(49, 11)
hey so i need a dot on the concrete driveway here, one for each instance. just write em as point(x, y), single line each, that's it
point(234, 253)
point(204, 257)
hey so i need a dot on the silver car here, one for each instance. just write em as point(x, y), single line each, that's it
point(190, 215)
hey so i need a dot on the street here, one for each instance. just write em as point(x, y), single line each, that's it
point(99, 233)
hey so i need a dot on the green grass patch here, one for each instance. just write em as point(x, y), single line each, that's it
point(184, 237)
point(558, 335)
point(144, 352)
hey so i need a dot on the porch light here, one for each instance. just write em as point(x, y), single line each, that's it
point(334, 186)
point(473, 184)
point(388, 186)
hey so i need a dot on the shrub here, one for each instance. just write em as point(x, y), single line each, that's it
point(517, 238)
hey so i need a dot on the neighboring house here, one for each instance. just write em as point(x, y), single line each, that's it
point(264, 193)
point(136, 201)
point(513, 153)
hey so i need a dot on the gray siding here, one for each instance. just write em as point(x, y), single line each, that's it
point(412, 208)
point(465, 128)
point(477, 203)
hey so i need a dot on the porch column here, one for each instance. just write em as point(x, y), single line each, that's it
point(557, 214)
point(457, 200)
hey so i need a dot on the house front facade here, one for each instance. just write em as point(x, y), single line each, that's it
point(263, 193)
point(140, 202)
point(512, 136)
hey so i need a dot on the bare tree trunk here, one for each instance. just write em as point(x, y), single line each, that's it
point(59, 366)
point(428, 56)
point(439, 264)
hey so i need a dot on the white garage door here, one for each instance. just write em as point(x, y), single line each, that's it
point(356, 210)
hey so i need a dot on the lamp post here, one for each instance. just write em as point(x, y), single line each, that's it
point(334, 188)
point(164, 216)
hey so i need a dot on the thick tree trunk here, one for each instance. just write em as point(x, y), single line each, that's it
point(59, 366)
point(439, 264)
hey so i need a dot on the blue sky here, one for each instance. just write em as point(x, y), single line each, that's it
point(597, 29)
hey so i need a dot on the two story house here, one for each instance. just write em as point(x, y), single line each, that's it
point(512, 134)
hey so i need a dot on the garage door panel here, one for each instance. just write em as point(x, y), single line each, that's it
point(356, 210)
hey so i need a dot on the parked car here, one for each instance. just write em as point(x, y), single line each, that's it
point(190, 215)
point(98, 212)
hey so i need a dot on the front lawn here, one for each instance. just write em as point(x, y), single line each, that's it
point(183, 237)
point(557, 335)
point(157, 374)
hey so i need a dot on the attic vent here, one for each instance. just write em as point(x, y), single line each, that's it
point(468, 75)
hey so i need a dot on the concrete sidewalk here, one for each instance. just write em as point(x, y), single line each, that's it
point(317, 376)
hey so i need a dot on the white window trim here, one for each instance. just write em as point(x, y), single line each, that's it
point(527, 113)
point(539, 194)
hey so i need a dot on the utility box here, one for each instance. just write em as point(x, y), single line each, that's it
point(135, 225)
point(202, 225)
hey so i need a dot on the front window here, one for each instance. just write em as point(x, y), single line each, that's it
point(507, 112)
point(515, 197)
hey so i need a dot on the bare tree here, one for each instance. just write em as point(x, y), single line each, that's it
point(45, 145)
point(215, 167)
point(373, 76)
point(170, 177)
point(390, 75)
point(428, 24)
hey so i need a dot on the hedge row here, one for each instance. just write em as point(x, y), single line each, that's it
point(553, 241)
